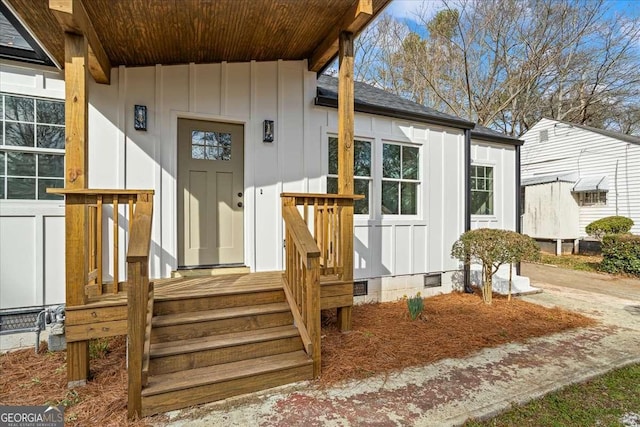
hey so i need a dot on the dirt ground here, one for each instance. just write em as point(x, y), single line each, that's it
point(601, 283)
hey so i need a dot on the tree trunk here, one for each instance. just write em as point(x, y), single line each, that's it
point(486, 286)
point(510, 278)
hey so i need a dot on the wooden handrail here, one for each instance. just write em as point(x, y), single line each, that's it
point(139, 303)
point(302, 282)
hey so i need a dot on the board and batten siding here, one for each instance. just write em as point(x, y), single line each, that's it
point(503, 160)
point(573, 149)
point(392, 252)
point(31, 232)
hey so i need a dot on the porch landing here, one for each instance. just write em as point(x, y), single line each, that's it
point(211, 337)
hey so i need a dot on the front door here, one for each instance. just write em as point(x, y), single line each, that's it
point(210, 193)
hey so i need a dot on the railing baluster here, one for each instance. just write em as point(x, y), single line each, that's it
point(99, 243)
point(116, 260)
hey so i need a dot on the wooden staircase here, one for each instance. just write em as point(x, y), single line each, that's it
point(205, 348)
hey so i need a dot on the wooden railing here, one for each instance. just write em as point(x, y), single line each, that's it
point(96, 200)
point(334, 236)
point(139, 303)
point(302, 282)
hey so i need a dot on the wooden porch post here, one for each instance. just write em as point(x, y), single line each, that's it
point(345, 160)
point(76, 249)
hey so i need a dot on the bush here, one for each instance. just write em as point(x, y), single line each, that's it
point(621, 254)
point(493, 248)
point(609, 225)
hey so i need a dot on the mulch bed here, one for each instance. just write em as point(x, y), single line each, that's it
point(383, 339)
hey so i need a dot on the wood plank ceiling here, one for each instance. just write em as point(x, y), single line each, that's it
point(149, 32)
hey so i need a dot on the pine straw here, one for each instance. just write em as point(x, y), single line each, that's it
point(385, 339)
point(30, 379)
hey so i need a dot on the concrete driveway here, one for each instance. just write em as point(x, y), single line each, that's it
point(599, 283)
point(451, 391)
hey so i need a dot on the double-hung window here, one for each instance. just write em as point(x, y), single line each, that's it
point(400, 179)
point(482, 190)
point(361, 172)
point(31, 147)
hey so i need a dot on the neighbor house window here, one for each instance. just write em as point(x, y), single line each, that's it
point(361, 172)
point(31, 147)
point(400, 179)
point(482, 190)
point(592, 198)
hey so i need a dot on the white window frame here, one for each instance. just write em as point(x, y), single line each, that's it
point(400, 180)
point(22, 149)
point(592, 198)
point(493, 189)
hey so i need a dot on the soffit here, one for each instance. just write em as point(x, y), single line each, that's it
point(149, 32)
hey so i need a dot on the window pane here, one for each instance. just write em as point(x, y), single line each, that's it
point(2, 156)
point(223, 138)
point(50, 137)
point(390, 161)
point(212, 153)
point(481, 203)
point(362, 159)
point(333, 156)
point(197, 137)
point(361, 186)
point(197, 152)
point(51, 165)
point(21, 188)
point(409, 198)
point(389, 197)
point(1, 187)
point(488, 172)
point(18, 108)
point(20, 134)
point(410, 162)
point(332, 185)
point(209, 139)
point(43, 184)
point(21, 164)
point(50, 112)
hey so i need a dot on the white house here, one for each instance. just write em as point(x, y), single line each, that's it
point(412, 164)
point(574, 174)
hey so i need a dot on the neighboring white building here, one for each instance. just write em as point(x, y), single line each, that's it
point(573, 175)
point(411, 163)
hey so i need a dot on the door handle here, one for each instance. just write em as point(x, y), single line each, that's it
point(239, 204)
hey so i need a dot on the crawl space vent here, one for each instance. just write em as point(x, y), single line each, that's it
point(360, 288)
point(432, 280)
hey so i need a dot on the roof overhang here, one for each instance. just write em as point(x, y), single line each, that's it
point(143, 33)
point(591, 183)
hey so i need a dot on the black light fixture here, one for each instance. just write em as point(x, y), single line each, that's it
point(267, 131)
point(140, 117)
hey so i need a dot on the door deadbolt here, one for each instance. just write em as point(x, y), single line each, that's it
point(239, 194)
point(239, 204)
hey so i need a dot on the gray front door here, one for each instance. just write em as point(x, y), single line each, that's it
point(210, 193)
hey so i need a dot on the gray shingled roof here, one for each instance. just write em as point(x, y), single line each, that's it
point(370, 99)
point(611, 134)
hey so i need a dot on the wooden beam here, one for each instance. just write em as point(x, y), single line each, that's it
point(353, 22)
point(72, 16)
point(345, 162)
point(76, 248)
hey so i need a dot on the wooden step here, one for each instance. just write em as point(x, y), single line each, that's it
point(185, 388)
point(223, 348)
point(172, 327)
point(222, 298)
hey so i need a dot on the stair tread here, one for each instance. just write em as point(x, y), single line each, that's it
point(222, 340)
point(218, 314)
point(181, 380)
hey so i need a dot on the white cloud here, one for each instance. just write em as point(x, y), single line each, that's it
point(407, 9)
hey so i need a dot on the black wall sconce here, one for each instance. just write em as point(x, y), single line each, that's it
point(267, 131)
point(140, 117)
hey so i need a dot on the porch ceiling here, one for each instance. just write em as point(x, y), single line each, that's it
point(149, 32)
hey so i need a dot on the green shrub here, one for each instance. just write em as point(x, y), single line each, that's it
point(493, 248)
point(609, 225)
point(621, 254)
point(415, 306)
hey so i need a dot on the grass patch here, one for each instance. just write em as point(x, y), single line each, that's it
point(573, 262)
point(603, 401)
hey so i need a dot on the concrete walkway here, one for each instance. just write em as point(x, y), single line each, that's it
point(453, 390)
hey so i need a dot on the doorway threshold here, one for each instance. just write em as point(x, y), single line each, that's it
point(214, 270)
